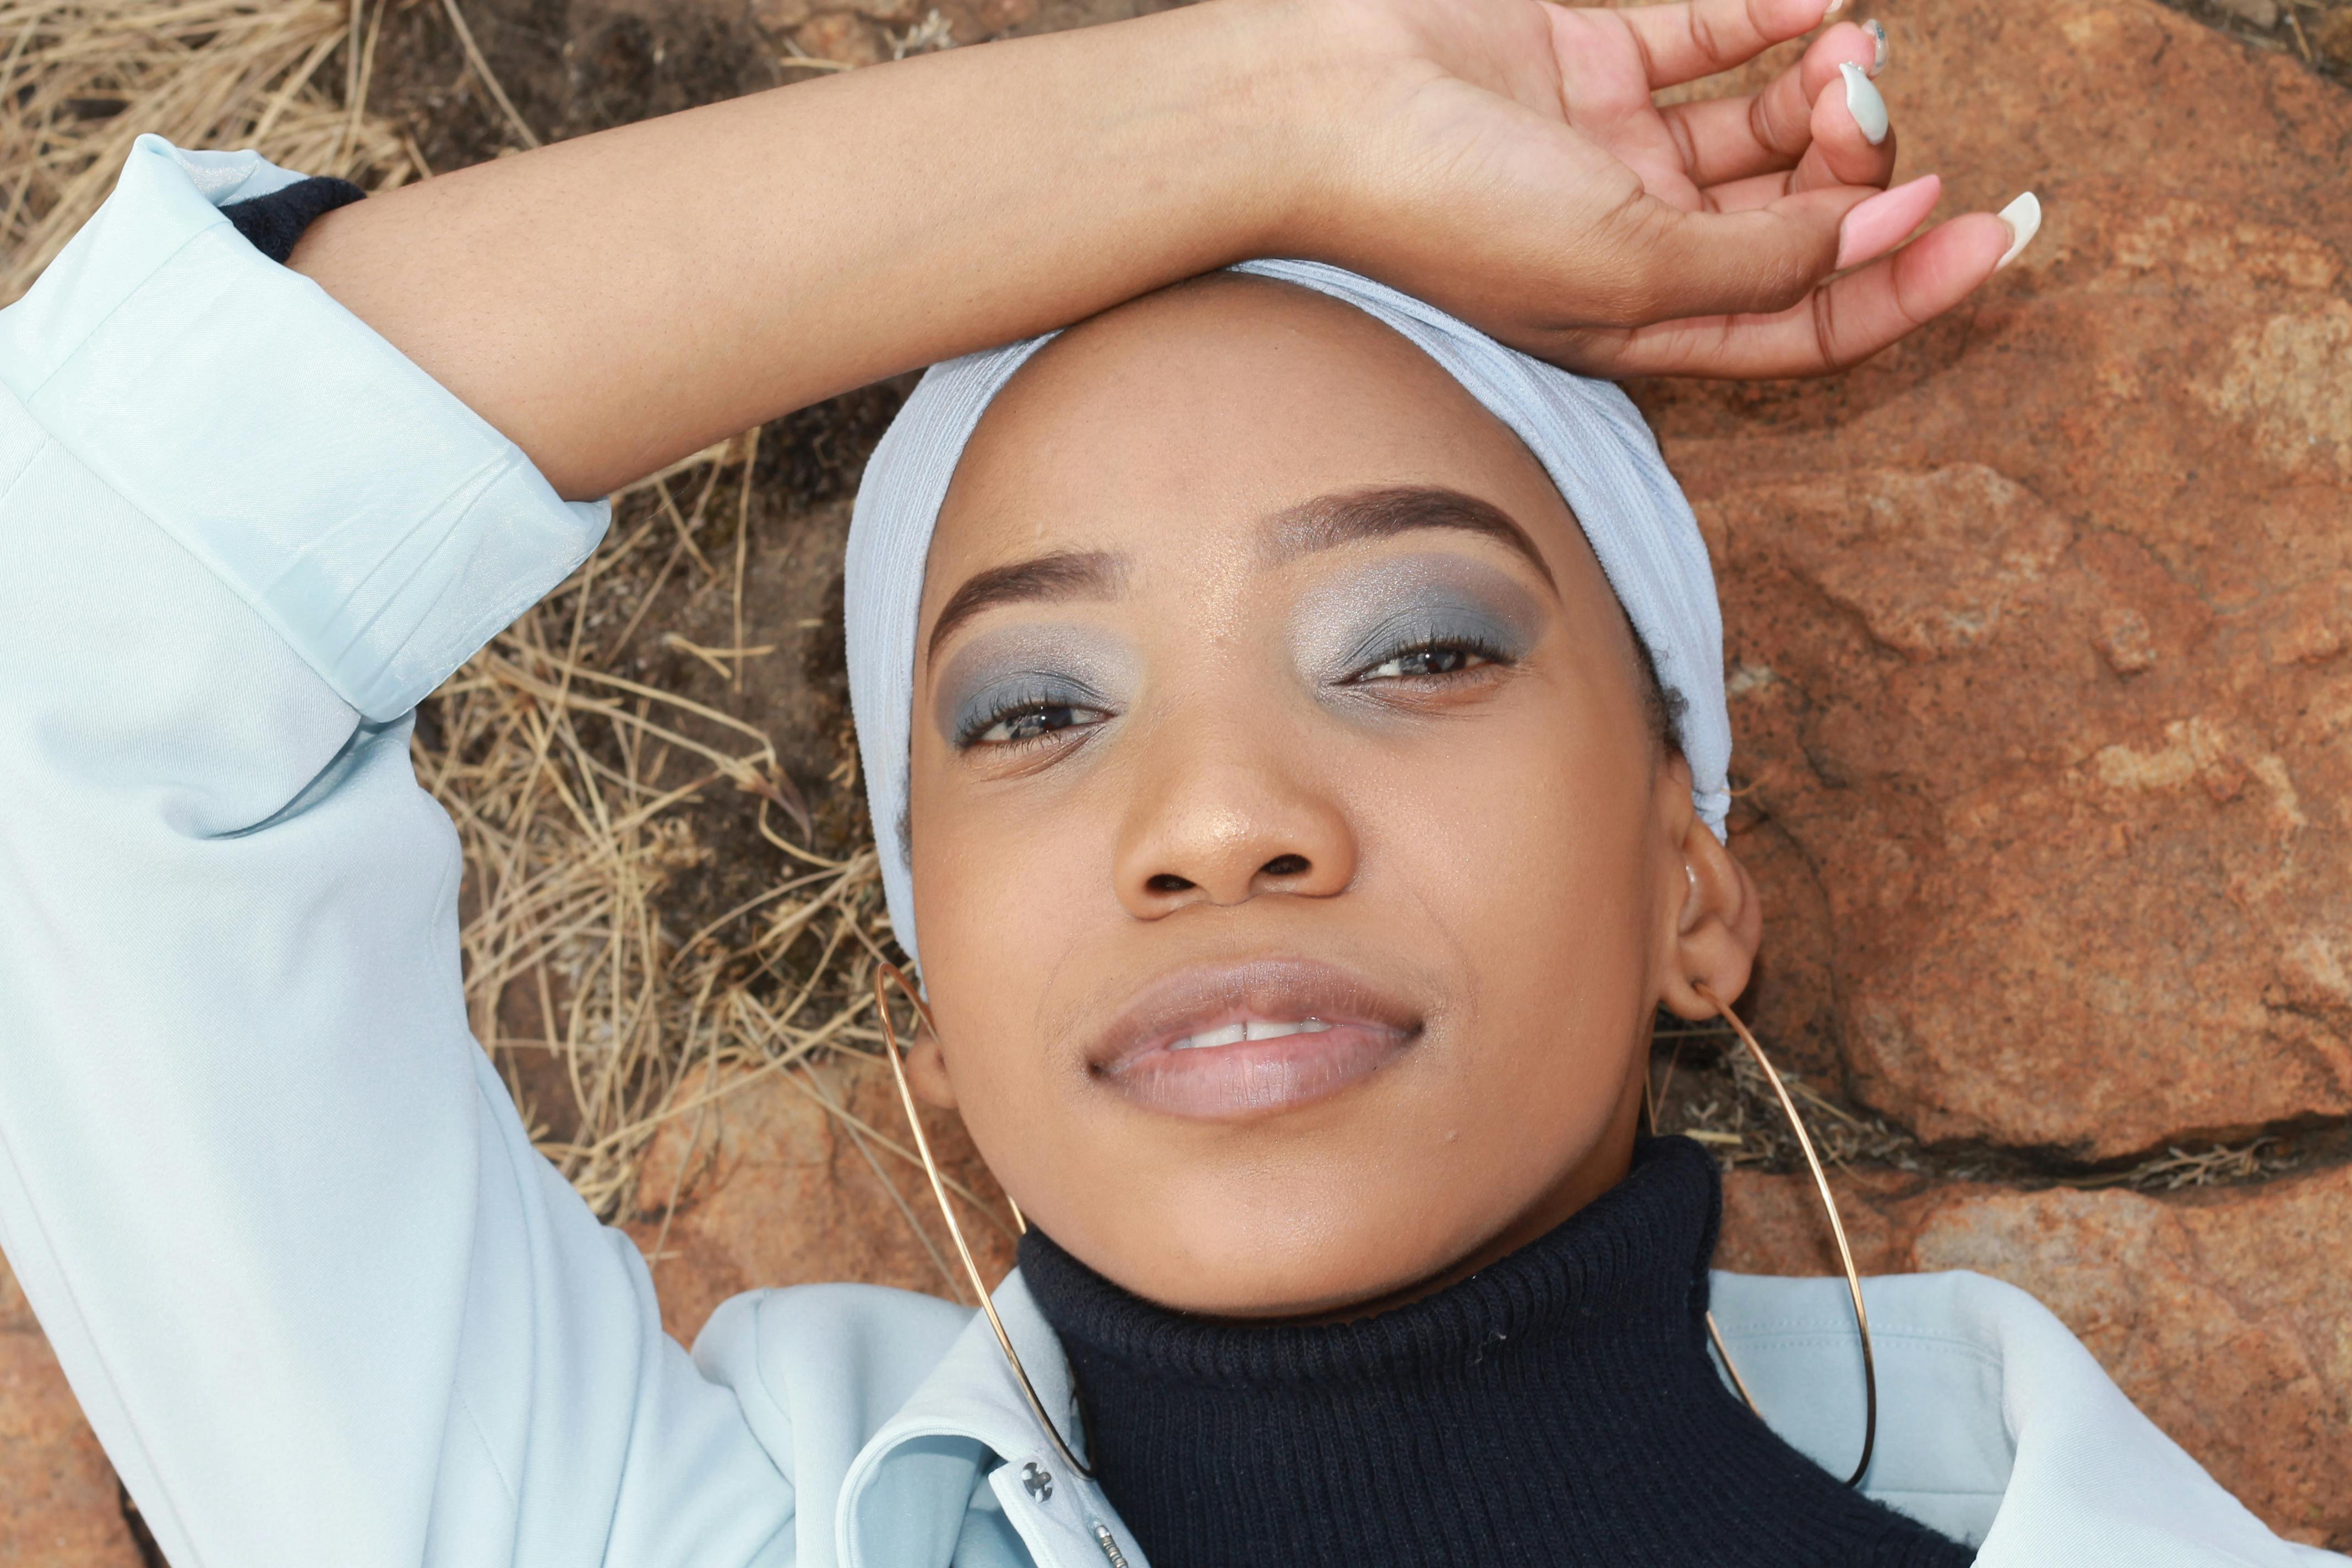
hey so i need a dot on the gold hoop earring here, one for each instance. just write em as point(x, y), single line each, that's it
point(1837, 1230)
point(885, 975)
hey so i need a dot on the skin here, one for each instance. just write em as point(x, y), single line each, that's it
point(1283, 752)
point(619, 301)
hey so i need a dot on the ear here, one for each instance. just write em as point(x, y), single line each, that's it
point(1718, 921)
point(927, 1071)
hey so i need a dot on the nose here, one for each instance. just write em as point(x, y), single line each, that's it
point(1226, 820)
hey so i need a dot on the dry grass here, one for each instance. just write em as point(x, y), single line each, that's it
point(1725, 1104)
point(84, 78)
point(575, 790)
point(1728, 1105)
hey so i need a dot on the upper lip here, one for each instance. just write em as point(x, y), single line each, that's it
point(1277, 990)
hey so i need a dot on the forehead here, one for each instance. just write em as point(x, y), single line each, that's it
point(1202, 408)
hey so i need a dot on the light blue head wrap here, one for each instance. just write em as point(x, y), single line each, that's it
point(1587, 434)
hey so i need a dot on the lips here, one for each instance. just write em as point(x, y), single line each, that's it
point(1251, 1039)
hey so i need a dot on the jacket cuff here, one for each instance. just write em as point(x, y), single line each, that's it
point(383, 528)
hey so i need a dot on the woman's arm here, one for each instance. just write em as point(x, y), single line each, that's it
point(617, 302)
point(322, 1300)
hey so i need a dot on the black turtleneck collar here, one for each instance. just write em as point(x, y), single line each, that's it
point(1558, 1408)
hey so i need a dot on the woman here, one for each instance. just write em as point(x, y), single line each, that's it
point(1303, 722)
point(317, 1295)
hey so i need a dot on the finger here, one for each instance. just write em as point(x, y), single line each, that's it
point(1839, 325)
point(1880, 222)
point(1763, 259)
point(1727, 139)
point(1887, 220)
point(1852, 136)
point(1696, 38)
point(1840, 152)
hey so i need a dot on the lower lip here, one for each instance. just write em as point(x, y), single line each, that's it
point(1257, 1078)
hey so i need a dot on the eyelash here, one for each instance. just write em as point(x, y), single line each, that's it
point(981, 731)
point(1477, 653)
point(1480, 653)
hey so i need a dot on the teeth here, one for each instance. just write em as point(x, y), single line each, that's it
point(1250, 1029)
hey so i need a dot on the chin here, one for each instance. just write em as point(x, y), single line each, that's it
point(1287, 1265)
point(1272, 1295)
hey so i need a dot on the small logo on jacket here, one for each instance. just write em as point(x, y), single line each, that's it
point(1039, 1483)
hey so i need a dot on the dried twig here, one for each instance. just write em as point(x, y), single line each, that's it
point(515, 121)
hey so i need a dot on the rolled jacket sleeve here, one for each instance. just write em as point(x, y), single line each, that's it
point(367, 517)
point(322, 1300)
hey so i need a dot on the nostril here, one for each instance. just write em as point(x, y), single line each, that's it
point(1284, 866)
point(1166, 882)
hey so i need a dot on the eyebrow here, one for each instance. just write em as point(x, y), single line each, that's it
point(1045, 579)
point(1378, 512)
point(1343, 517)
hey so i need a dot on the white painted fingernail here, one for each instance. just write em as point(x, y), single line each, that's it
point(1877, 31)
point(2024, 217)
point(1834, 7)
point(1862, 102)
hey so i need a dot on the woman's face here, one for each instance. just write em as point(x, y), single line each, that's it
point(1296, 868)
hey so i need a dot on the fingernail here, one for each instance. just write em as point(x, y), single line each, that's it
point(1832, 9)
point(1862, 102)
point(2024, 217)
point(1877, 226)
point(1877, 31)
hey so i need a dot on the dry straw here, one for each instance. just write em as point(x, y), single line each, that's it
point(582, 795)
point(84, 78)
point(575, 788)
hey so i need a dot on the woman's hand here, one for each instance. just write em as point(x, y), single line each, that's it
point(1507, 159)
point(615, 302)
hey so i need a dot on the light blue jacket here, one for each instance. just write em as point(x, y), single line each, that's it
point(320, 1298)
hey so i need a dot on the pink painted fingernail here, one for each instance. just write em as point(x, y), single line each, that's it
point(1880, 224)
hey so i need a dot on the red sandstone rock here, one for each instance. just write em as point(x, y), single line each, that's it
point(2223, 1314)
point(58, 1504)
point(2038, 624)
point(842, 36)
point(777, 15)
point(775, 1192)
point(852, 31)
point(2331, 35)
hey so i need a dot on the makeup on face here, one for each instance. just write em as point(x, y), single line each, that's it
point(1362, 624)
point(1055, 671)
point(1228, 1042)
point(1352, 630)
point(1316, 953)
point(1370, 623)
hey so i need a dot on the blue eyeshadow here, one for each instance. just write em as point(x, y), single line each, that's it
point(1022, 667)
point(1367, 618)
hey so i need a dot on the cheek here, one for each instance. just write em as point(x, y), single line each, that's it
point(1008, 882)
point(1527, 854)
point(1527, 840)
point(1007, 896)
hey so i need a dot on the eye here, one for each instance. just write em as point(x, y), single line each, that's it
point(1424, 660)
point(1028, 722)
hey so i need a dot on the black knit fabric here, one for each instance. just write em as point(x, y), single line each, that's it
point(1558, 1408)
point(272, 224)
